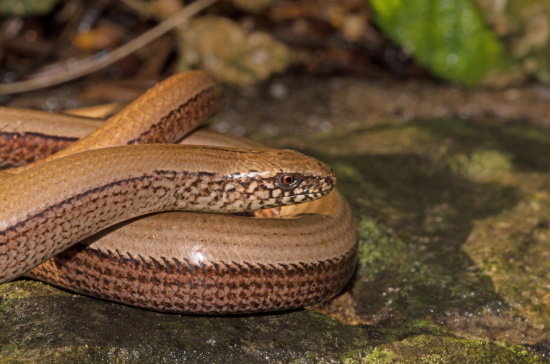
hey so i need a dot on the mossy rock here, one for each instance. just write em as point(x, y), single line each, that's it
point(453, 266)
point(41, 324)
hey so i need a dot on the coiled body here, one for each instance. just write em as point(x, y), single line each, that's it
point(197, 262)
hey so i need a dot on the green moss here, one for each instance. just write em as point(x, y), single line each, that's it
point(481, 164)
point(377, 250)
point(375, 356)
point(430, 349)
point(425, 349)
point(21, 289)
point(379, 356)
point(424, 326)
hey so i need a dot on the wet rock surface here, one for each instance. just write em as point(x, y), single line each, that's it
point(304, 105)
point(43, 324)
point(454, 245)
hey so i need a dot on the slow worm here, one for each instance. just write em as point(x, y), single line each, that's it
point(194, 262)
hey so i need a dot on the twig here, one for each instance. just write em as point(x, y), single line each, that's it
point(98, 61)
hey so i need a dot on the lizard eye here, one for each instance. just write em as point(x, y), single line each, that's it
point(287, 180)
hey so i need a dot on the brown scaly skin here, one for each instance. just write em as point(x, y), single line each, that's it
point(164, 114)
point(24, 149)
point(71, 202)
point(217, 263)
point(210, 263)
point(211, 287)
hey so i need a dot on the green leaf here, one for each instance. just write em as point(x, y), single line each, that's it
point(448, 37)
